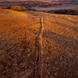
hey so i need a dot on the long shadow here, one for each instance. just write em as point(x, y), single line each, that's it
point(66, 12)
point(67, 26)
point(63, 57)
point(61, 40)
point(64, 18)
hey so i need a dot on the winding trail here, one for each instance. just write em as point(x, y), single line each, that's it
point(38, 49)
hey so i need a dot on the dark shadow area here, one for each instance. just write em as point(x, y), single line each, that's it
point(61, 39)
point(62, 61)
point(67, 26)
point(67, 12)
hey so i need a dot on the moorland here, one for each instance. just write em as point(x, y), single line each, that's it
point(38, 39)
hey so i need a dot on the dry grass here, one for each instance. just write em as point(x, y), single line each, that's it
point(18, 8)
point(20, 31)
point(59, 40)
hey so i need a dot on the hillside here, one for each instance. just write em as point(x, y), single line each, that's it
point(37, 44)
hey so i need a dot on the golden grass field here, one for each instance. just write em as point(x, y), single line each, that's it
point(34, 48)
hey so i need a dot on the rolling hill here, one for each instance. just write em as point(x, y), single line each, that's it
point(37, 44)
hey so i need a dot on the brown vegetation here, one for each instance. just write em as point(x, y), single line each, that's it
point(2, 7)
point(18, 8)
point(23, 36)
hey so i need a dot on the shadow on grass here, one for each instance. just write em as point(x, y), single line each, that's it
point(63, 58)
point(67, 12)
point(61, 40)
point(67, 26)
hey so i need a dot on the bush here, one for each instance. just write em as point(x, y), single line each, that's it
point(18, 8)
point(1, 7)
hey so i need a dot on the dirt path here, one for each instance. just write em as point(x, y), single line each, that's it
point(38, 48)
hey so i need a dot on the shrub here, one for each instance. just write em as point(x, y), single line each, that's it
point(1, 7)
point(18, 8)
